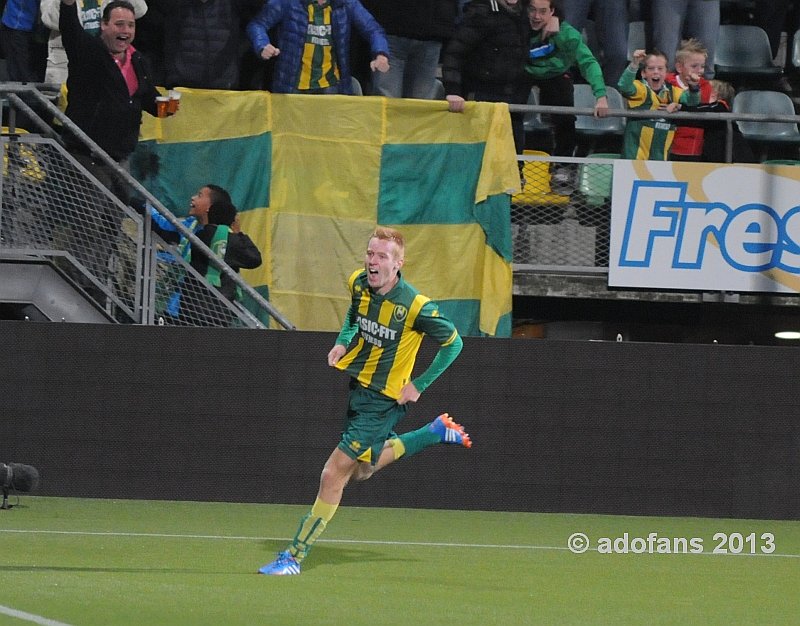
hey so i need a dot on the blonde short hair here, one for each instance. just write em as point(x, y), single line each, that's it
point(385, 233)
point(690, 46)
point(723, 89)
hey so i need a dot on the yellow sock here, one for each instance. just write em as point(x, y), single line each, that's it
point(324, 510)
point(398, 447)
point(311, 527)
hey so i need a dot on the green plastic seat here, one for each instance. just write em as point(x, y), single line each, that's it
point(781, 162)
point(594, 179)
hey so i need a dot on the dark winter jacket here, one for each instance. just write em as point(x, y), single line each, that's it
point(98, 100)
point(289, 18)
point(715, 135)
point(240, 253)
point(202, 46)
point(416, 19)
point(488, 51)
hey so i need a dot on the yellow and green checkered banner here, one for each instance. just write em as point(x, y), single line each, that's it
point(313, 175)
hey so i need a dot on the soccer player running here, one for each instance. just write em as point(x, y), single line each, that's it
point(391, 317)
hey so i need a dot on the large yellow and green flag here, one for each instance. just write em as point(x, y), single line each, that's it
point(313, 175)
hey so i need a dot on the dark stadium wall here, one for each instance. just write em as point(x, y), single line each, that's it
point(250, 416)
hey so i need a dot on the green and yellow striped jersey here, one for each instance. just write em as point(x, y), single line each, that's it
point(650, 139)
point(319, 67)
point(390, 329)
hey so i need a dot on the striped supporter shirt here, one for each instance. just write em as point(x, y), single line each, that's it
point(319, 68)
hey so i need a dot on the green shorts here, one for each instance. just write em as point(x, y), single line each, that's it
point(371, 418)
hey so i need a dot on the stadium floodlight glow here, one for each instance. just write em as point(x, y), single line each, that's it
point(788, 334)
point(17, 477)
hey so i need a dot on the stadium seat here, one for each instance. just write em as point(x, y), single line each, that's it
point(593, 128)
point(781, 162)
point(796, 49)
point(594, 179)
point(590, 125)
point(533, 122)
point(538, 130)
point(636, 38)
point(766, 133)
point(357, 91)
point(538, 190)
point(743, 52)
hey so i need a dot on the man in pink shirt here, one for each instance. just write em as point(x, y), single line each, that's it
point(109, 82)
point(109, 85)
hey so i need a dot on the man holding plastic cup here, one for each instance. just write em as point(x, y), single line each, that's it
point(106, 108)
point(109, 85)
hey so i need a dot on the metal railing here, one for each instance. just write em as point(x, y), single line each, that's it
point(52, 207)
point(677, 118)
point(560, 221)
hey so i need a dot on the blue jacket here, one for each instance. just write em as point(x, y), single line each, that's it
point(290, 19)
point(21, 14)
point(169, 233)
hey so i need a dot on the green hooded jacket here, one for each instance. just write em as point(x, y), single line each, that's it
point(562, 51)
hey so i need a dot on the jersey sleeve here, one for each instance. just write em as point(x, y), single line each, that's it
point(630, 87)
point(590, 69)
point(443, 331)
point(349, 327)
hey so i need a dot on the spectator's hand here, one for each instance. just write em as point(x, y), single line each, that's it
point(336, 353)
point(236, 226)
point(671, 107)
point(455, 104)
point(638, 58)
point(551, 28)
point(408, 394)
point(601, 107)
point(380, 63)
point(269, 51)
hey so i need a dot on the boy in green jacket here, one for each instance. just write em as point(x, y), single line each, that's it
point(555, 47)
